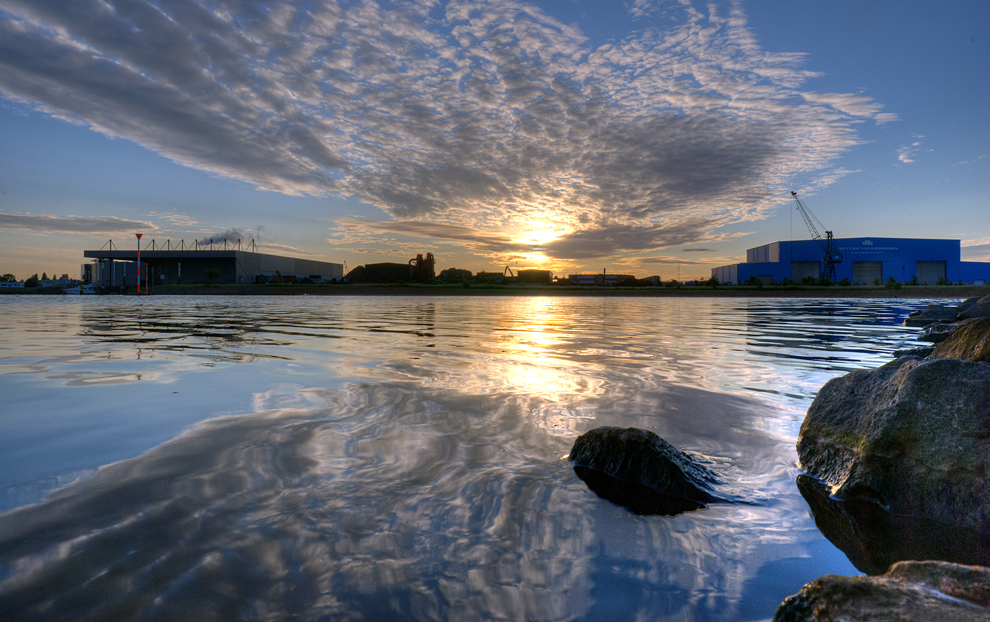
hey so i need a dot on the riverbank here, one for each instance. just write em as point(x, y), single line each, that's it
point(413, 289)
point(907, 291)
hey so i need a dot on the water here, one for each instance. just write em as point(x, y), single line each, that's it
point(402, 458)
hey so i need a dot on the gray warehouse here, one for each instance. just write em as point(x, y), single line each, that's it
point(169, 267)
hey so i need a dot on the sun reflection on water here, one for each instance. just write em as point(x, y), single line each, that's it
point(373, 458)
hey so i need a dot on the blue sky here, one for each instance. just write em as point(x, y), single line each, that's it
point(646, 136)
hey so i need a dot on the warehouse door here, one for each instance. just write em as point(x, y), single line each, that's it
point(866, 272)
point(801, 269)
point(929, 272)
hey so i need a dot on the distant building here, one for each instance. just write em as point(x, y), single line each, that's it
point(423, 268)
point(11, 284)
point(63, 281)
point(534, 277)
point(108, 274)
point(864, 261)
point(117, 268)
point(599, 279)
point(386, 272)
point(489, 277)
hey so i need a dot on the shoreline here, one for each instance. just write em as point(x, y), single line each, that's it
point(943, 292)
point(906, 292)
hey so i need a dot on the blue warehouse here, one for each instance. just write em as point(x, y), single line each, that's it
point(864, 261)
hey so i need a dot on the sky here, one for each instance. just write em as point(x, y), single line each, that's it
point(647, 137)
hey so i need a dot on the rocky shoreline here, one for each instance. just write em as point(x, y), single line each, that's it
point(897, 463)
point(898, 478)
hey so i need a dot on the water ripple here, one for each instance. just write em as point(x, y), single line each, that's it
point(371, 459)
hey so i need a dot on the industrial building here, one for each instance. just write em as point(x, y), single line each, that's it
point(417, 270)
point(864, 261)
point(118, 268)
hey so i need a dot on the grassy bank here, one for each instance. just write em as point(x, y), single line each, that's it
point(793, 291)
point(797, 291)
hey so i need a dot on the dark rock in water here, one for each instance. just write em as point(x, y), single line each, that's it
point(974, 308)
point(927, 591)
point(635, 496)
point(934, 313)
point(638, 461)
point(912, 436)
point(971, 342)
point(922, 352)
point(874, 539)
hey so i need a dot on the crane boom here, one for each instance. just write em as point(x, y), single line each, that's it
point(807, 215)
point(832, 255)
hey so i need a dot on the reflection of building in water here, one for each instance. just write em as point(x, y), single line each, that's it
point(865, 261)
point(117, 268)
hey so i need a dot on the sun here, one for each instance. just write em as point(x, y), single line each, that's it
point(539, 233)
point(536, 258)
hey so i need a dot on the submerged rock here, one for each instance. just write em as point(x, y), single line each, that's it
point(638, 469)
point(971, 342)
point(912, 591)
point(912, 436)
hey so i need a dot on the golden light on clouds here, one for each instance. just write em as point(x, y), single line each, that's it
point(535, 258)
point(541, 230)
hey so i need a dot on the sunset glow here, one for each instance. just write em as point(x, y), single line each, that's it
point(577, 134)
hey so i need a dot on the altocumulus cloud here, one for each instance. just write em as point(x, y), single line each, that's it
point(487, 115)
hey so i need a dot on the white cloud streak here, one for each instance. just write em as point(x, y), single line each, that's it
point(487, 115)
point(907, 153)
point(976, 252)
point(47, 223)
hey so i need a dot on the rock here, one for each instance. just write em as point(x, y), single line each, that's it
point(974, 308)
point(634, 496)
point(912, 436)
point(933, 313)
point(873, 538)
point(921, 353)
point(640, 470)
point(971, 342)
point(937, 332)
point(926, 591)
point(966, 304)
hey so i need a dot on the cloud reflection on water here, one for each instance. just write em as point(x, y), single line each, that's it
point(404, 460)
point(394, 500)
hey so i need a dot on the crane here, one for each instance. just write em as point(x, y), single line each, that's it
point(832, 255)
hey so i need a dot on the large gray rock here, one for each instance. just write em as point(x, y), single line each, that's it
point(910, 592)
point(912, 436)
point(934, 313)
point(937, 332)
point(921, 352)
point(640, 470)
point(974, 308)
point(971, 342)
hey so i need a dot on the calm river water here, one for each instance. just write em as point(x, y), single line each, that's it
point(346, 458)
